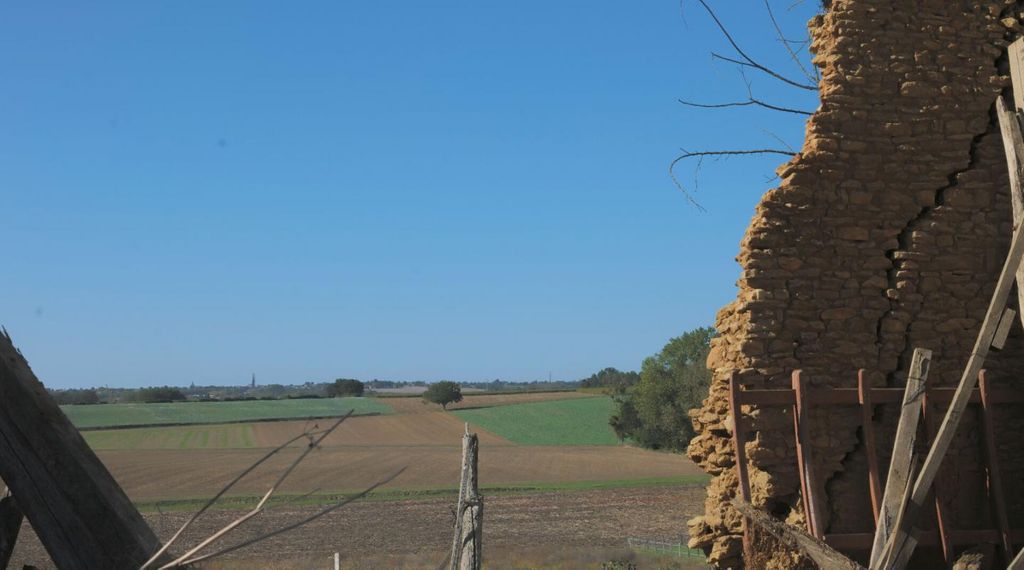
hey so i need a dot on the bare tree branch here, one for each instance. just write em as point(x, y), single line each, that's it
point(792, 54)
point(296, 524)
point(233, 482)
point(726, 153)
point(263, 501)
point(748, 102)
point(747, 60)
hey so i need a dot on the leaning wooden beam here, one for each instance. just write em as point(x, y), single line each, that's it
point(79, 512)
point(902, 450)
point(902, 537)
point(810, 484)
point(10, 524)
point(1013, 146)
point(822, 554)
point(1018, 562)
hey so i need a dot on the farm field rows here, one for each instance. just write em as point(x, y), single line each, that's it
point(578, 529)
point(110, 415)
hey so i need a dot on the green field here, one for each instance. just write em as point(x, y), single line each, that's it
point(582, 421)
point(111, 415)
point(221, 436)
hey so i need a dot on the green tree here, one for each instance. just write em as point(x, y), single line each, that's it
point(655, 412)
point(345, 387)
point(614, 379)
point(443, 393)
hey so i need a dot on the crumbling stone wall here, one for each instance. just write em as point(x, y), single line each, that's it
point(886, 233)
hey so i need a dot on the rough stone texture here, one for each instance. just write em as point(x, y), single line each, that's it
point(886, 233)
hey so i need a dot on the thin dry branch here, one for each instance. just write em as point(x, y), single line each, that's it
point(296, 524)
point(792, 54)
point(699, 155)
point(747, 60)
point(314, 443)
point(748, 102)
point(230, 485)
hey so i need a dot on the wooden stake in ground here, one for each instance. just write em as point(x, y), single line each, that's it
point(77, 509)
point(902, 537)
point(822, 554)
point(467, 545)
point(902, 451)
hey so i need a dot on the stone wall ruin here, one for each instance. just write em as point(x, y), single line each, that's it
point(886, 233)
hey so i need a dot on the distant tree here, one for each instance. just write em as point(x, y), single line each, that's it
point(654, 413)
point(345, 387)
point(158, 394)
point(615, 380)
point(443, 393)
point(75, 397)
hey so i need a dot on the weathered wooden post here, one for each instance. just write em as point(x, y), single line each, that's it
point(10, 524)
point(77, 509)
point(467, 546)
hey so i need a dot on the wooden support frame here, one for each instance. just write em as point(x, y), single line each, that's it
point(75, 506)
point(867, 397)
point(938, 491)
point(867, 411)
point(810, 486)
point(995, 479)
point(739, 442)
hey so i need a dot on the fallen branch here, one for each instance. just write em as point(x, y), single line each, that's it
point(233, 482)
point(263, 501)
point(296, 524)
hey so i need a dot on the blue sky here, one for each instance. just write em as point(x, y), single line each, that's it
point(401, 190)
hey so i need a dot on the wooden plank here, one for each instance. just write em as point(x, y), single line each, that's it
point(1015, 55)
point(896, 480)
point(815, 549)
point(10, 524)
point(811, 483)
point(739, 442)
point(903, 537)
point(868, 429)
point(1018, 562)
point(1013, 147)
point(77, 509)
point(995, 478)
point(962, 537)
point(1003, 329)
point(851, 397)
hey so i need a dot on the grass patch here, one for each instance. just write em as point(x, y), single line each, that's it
point(113, 415)
point(582, 421)
point(249, 501)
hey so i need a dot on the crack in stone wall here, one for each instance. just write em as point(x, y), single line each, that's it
point(886, 233)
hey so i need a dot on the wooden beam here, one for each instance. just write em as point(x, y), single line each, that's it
point(902, 451)
point(1013, 147)
point(10, 525)
point(827, 396)
point(1015, 55)
point(995, 478)
point(739, 442)
point(867, 413)
point(903, 536)
point(814, 507)
point(75, 506)
point(822, 554)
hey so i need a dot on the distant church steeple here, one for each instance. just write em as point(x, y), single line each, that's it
point(253, 379)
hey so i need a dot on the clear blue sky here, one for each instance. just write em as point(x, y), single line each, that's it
point(373, 189)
